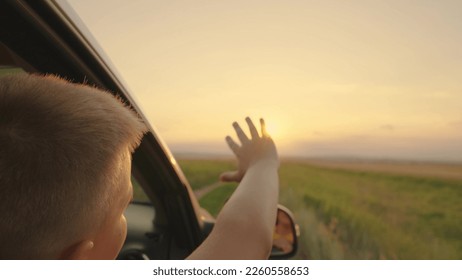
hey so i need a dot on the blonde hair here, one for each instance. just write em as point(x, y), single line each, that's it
point(59, 143)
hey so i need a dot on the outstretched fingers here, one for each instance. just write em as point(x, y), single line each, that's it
point(264, 133)
point(232, 145)
point(240, 133)
point(252, 128)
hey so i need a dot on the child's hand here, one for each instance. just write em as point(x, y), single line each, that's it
point(245, 225)
point(252, 151)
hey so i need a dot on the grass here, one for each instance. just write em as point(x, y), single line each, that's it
point(369, 215)
point(201, 173)
point(6, 70)
point(214, 200)
point(353, 214)
point(138, 194)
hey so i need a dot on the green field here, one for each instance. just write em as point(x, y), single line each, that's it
point(354, 214)
point(201, 173)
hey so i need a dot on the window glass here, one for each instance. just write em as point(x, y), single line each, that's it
point(7, 70)
point(138, 193)
point(10, 63)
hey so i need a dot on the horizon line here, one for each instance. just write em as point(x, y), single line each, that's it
point(352, 158)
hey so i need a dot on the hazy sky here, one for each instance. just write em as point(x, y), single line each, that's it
point(379, 79)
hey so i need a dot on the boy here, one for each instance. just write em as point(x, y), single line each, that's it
point(65, 156)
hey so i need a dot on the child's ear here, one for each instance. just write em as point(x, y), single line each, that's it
point(80, 251)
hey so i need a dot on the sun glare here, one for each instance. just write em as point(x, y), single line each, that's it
point(276, 129)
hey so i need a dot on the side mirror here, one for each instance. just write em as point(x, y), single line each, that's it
point(285, 236)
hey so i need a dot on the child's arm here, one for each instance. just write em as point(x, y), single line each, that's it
point(244, 227)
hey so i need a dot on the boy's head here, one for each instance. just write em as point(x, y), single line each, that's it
point(64, 169)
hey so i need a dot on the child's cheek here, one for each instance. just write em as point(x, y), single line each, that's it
point(122, 231)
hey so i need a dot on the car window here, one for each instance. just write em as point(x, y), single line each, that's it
point(8, 62)
point(138, 193)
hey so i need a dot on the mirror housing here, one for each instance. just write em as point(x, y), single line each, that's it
point(285, 236)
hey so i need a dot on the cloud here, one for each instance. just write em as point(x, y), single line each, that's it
point(387, 127)
point(374, 146)
point(456, 124)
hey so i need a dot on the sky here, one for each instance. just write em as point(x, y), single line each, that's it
point(363, 79)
